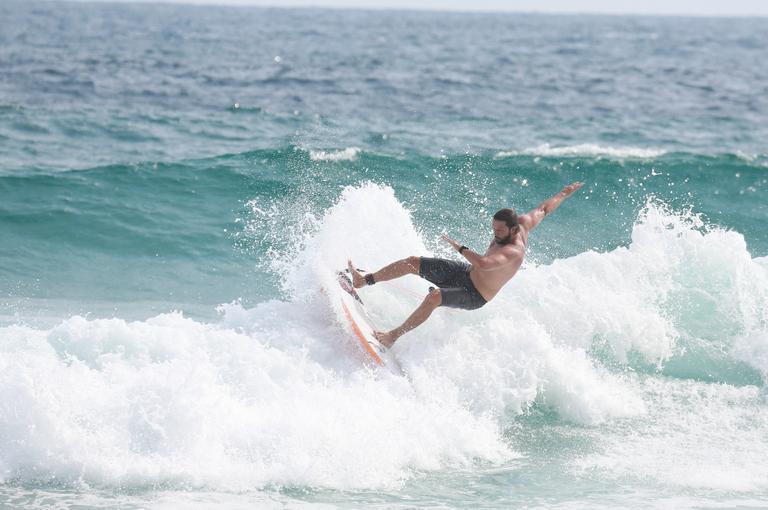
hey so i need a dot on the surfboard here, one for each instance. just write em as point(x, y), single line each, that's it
point(360, 324)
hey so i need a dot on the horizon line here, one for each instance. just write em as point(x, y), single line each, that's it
point(448, 10)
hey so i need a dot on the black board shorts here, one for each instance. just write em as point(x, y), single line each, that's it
point(452, 277)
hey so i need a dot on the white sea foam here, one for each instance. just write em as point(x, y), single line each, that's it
point(277, 394)
point(348, 154)
point(696, 435)
point(258, 399)
point(585, 149)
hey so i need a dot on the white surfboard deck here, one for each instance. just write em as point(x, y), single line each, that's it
point(359, 323)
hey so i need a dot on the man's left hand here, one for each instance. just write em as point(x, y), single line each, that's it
point(450, 241)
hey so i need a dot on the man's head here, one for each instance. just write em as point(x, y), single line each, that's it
point(504, 225)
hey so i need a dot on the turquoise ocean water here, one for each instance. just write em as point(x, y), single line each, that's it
point(177, 184)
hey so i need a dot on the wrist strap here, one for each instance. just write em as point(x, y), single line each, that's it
point(462, 248)
point(369, 279)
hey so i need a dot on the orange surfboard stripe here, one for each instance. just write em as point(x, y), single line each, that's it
point(361, 336)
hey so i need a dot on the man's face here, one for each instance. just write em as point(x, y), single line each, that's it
point(502, 234)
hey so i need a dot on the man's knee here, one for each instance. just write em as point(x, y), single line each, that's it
point(414, 263)
point(434, 298)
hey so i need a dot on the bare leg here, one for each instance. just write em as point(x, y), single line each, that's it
point(418, 316)
point(396, 269)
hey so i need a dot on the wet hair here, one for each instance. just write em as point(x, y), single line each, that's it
point(508, 216)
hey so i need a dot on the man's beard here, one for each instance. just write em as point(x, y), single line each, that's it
point(503, 241)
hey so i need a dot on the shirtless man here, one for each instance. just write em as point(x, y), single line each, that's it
point(462, 285)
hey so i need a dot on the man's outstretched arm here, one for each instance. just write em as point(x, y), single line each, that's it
point(547, 207)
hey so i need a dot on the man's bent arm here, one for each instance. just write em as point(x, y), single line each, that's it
point(547, 207)
point(485, 262)
point(482, 262)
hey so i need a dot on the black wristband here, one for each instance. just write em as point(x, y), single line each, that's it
point(462, 248)
point(369, 279)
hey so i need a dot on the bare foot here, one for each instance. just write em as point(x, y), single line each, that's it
point(357, 279)
point(385, 339)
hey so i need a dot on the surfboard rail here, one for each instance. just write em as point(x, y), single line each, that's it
point(357, 319)
point(361, 336)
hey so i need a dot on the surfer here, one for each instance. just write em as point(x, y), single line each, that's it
point(466, 285)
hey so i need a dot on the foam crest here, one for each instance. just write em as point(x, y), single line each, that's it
point(750, 344)
point(348, 154)
point(585, 149)
point(707, 283)
point(367, 225)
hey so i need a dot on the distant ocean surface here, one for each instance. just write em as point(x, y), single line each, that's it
point(177, 184)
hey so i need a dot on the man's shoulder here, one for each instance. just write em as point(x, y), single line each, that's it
point(525, 220)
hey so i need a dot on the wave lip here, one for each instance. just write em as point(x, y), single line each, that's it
point(348, 154)
point(585, 149)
